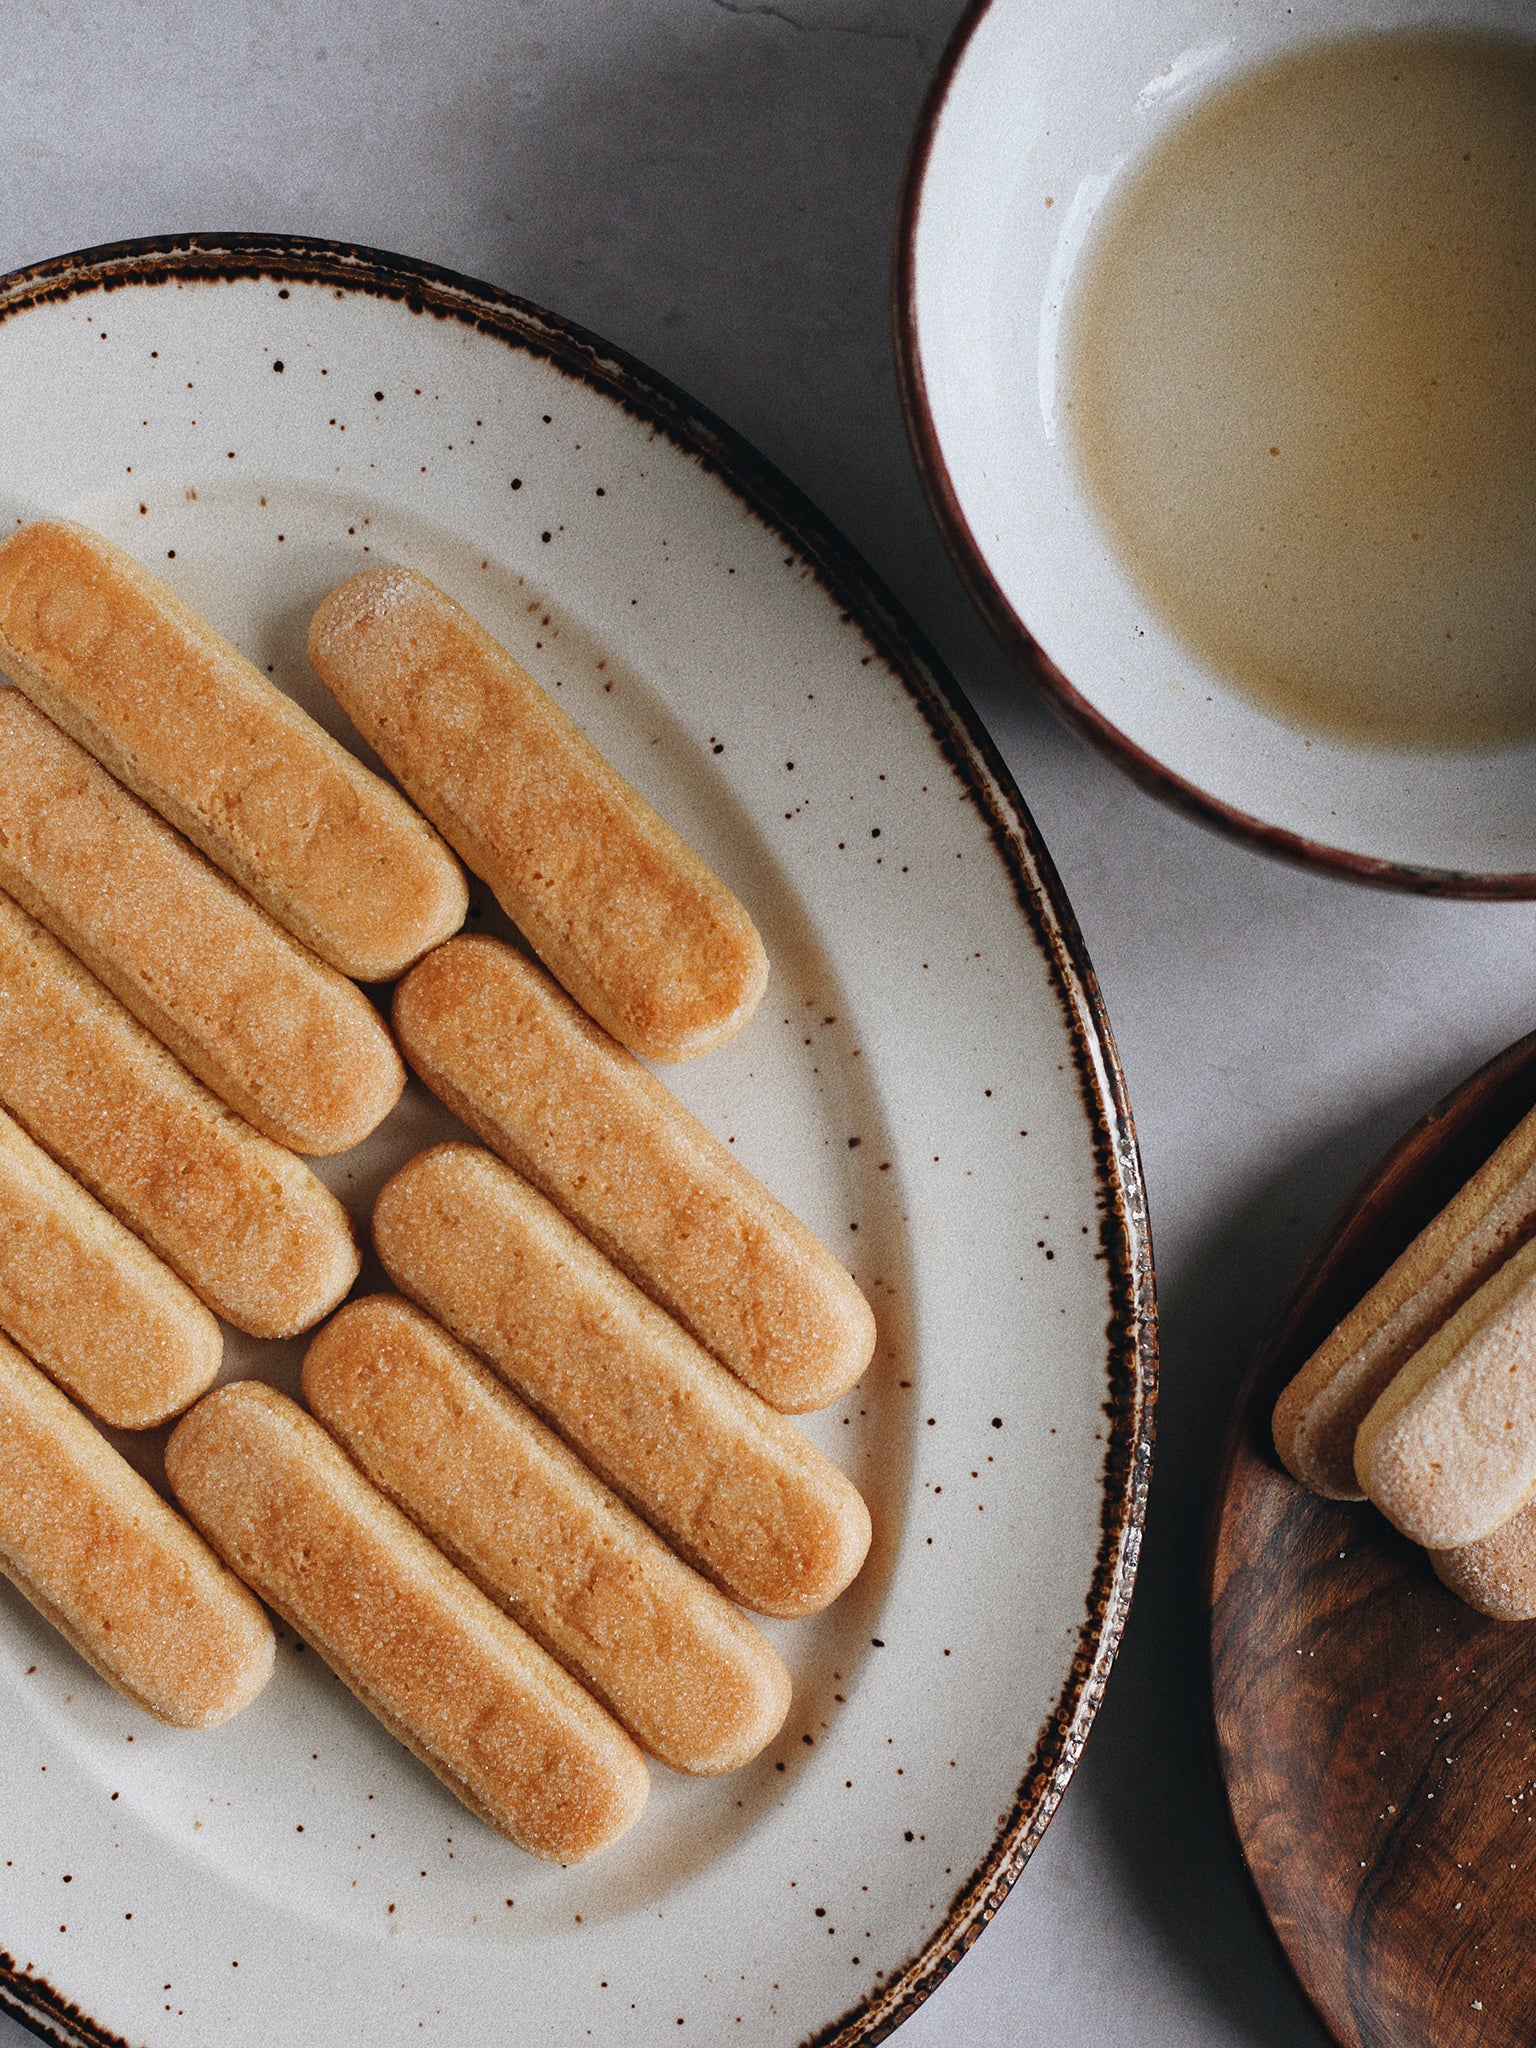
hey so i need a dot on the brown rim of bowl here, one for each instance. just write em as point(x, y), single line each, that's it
point(1010, 630)
point(1124, 1233)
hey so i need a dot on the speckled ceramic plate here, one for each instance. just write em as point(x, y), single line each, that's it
point(930, 1083)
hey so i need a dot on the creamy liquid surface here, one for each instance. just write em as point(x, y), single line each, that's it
point(1300, 378)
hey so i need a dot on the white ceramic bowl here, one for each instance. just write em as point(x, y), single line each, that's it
point(1042, 101)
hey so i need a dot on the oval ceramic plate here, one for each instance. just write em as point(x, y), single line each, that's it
point(1035, 114)
point(929, 1083)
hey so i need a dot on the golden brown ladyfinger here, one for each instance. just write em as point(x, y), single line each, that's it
point(181, 717)
point(90, 1304)
point(1318, 1415)
point(456, 1681)
point(291, 1044)
point(1448, 1452)
point(513, 1057)
point(246, 1225)
point(688, 1675)
point(624, 914)
point(1497, 1574)
point(724, 1478)
point(114, 1568)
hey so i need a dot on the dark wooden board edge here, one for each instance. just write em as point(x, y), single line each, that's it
point(1407, 1186)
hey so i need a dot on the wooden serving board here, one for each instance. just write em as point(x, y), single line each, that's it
point(1377, 1737)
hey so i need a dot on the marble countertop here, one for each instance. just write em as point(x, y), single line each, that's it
point(712, 184)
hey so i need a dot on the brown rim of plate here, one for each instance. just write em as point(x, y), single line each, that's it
point(1020, 645)
point(958, 735)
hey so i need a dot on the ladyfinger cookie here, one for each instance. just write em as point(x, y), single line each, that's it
point(451, 1677)
point(246, 1225)
point(90, 1304)
point(291, 1044)
point(1317, 1416)
point(499, 1494)
point(1496, 1575)
point(531, 1074)
point(624, 914)
point(1448, 1452)
point(114, 1568)
point(160, 698)
point(732, 1485)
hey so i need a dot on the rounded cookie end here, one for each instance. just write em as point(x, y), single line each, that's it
point(249, 1658)
point(671, 1033)
point(319, 1280)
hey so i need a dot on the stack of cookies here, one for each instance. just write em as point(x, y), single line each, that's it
point(1424, 1398)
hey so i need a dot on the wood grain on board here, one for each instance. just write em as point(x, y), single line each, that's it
point(1377, 1737)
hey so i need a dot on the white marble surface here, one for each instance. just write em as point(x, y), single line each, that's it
point(711, 183)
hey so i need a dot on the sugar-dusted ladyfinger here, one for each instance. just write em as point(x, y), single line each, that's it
point(454, 1679)
point(688, 1675)
point(732, 1485)
point(114, 1568)
point(94, 1307)
point(294, 1046)
point(246, 1225)
point(511, 1054)
point(1317, 1416)
point(1448, 1452)
point(624, 914)
point(1497, 1574)
point(190, 725)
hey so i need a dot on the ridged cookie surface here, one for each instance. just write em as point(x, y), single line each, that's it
point(90, 1304)
point(732, 1485)
point(248, 1227)
point(558, 1098)
point(281, 1037)
point(689, 1676)
point(620, 909)
point(181, 717)
point(114, 1568)
point(455, 1680)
